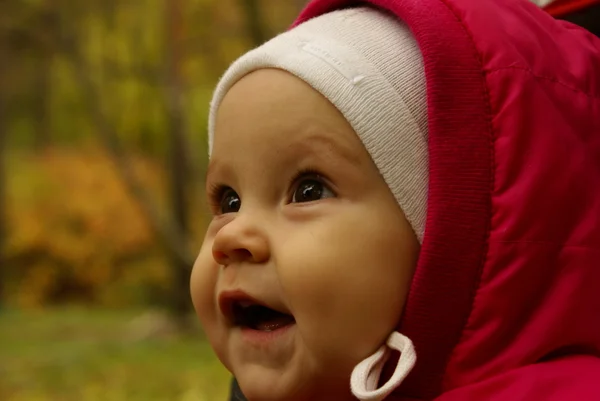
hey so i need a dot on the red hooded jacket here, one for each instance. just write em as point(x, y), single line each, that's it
point(505, 302)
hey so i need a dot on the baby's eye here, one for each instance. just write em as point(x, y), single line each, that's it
point(311, 189)
point(230, 201)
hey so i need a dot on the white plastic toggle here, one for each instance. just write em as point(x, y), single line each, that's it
point(366, 374)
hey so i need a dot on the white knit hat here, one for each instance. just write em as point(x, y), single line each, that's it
point(368, 64)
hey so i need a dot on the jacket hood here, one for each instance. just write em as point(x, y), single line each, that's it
point(505, 302)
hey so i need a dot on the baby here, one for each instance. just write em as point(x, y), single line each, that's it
point(406, 206)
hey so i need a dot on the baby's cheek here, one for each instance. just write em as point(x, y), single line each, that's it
point(312, 284)
point(203, 284)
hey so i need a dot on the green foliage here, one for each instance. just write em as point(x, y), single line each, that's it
point(124, 42)
point(124, 48)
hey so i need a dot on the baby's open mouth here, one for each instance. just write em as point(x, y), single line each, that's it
point(259, 317)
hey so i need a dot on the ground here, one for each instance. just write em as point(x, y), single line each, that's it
point(89, 355)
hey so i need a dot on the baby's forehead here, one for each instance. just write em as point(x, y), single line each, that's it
point(327, 145)
point(289, 117)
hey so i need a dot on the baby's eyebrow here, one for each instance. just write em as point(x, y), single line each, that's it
point(327, 147)
point(323, 147)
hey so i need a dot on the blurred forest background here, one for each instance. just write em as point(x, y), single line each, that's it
point(103, 114)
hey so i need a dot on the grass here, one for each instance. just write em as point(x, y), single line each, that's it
point(85, 355)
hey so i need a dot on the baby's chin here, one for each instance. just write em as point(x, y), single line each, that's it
point(259, 383)
point(262, 384)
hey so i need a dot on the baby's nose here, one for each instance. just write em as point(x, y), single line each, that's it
point(240, 240)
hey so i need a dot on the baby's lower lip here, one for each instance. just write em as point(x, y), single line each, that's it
point(265, 337)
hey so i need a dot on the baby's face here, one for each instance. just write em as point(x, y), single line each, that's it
point(306, 264)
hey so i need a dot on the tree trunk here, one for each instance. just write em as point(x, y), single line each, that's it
point(3, 137)
point(166, 230)
point(254, 21)
point(180, 303)
point(42, 76)
point(42, 96)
